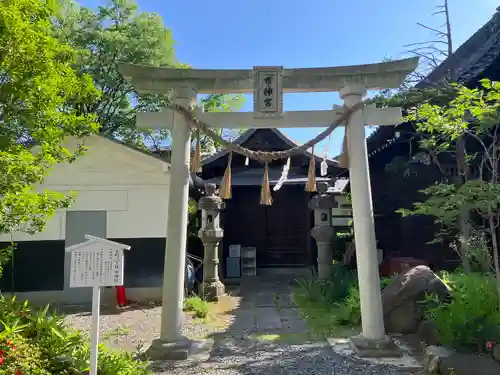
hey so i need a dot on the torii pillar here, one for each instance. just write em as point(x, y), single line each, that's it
point(373, 342)
point(352, 82)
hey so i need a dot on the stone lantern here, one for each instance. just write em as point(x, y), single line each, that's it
point(211, 234)
point(323, 231)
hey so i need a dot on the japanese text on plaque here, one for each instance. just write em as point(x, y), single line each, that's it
point(96, 267)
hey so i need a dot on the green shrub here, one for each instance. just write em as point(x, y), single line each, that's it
point(317, 299)
point(340, 242)
point(472, 316)
point(329, 291)
point(314, 308)
point(350, 307)
point(120, 362)
point(384, 281)
point(19, 356)
point(45, 346)
point(332, 302)
point(197, 306)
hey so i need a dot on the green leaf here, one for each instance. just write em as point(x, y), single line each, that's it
point(39, 94)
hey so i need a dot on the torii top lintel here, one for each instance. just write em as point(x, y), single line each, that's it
point(384, 75)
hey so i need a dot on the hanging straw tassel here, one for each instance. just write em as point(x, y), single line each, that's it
point(196, 163)
point(344, 155)
point(311, 175)
point(225, 185)
point(265, 194)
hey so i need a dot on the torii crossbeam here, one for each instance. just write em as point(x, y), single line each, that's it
point(268, 85)
point(291, 119)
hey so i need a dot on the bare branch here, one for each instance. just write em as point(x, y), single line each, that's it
point(432, 48)
point(428, 42)
point(431, 58)
point(438, 32)
point(478, 139)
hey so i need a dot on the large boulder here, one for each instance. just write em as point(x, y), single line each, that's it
point(439, 360)
point(428, 333)
point(433, 355)
point(402, 299)
point(468, 364)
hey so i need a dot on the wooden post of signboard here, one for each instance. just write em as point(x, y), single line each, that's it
point(95, 263)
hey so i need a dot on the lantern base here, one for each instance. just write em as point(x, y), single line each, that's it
point(212, 291)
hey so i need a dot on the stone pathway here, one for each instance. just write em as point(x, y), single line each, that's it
point(268, 306)
point(268, 337)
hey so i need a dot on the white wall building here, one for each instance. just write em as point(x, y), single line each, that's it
point(122, 194)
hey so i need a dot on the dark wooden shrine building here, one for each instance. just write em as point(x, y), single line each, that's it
point(390, 147)
point(280, 232)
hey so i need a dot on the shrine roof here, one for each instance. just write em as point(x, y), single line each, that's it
point(473, 57)
point(468, 64)
point(244, 137)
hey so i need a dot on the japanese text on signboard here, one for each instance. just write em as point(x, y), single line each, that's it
point(268, 92)
point(98, 266)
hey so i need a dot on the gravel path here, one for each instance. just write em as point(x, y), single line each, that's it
point(250, 357)
point(132, 328)
point(259, 333)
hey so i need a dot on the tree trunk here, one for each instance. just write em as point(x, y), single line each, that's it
point(465, 241)
point(485, 257)
point(495, 252)
point(463, 176)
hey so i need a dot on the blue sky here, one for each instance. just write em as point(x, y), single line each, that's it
point(298, 34)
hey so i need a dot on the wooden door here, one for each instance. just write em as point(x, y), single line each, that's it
point(279, 232)
point(244, 219)
point(287, 230)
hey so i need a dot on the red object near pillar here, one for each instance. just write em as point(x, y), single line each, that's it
point(121, 296)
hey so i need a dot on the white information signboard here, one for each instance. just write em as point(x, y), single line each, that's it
point(95, 263)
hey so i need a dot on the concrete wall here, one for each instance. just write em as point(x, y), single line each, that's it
point(132, 187)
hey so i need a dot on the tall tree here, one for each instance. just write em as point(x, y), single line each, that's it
point(119, 32)
point(37, 85)
point(434, 51)
point(474, 113)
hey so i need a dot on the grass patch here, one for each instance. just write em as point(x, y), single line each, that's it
point(198, 307)
point(331, 307)
point(276, 300)
point(117, 332)
point(288, 338)
point(216, 316)
point(322, 319)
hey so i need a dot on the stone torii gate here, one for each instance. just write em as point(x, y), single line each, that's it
point(268, 84)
